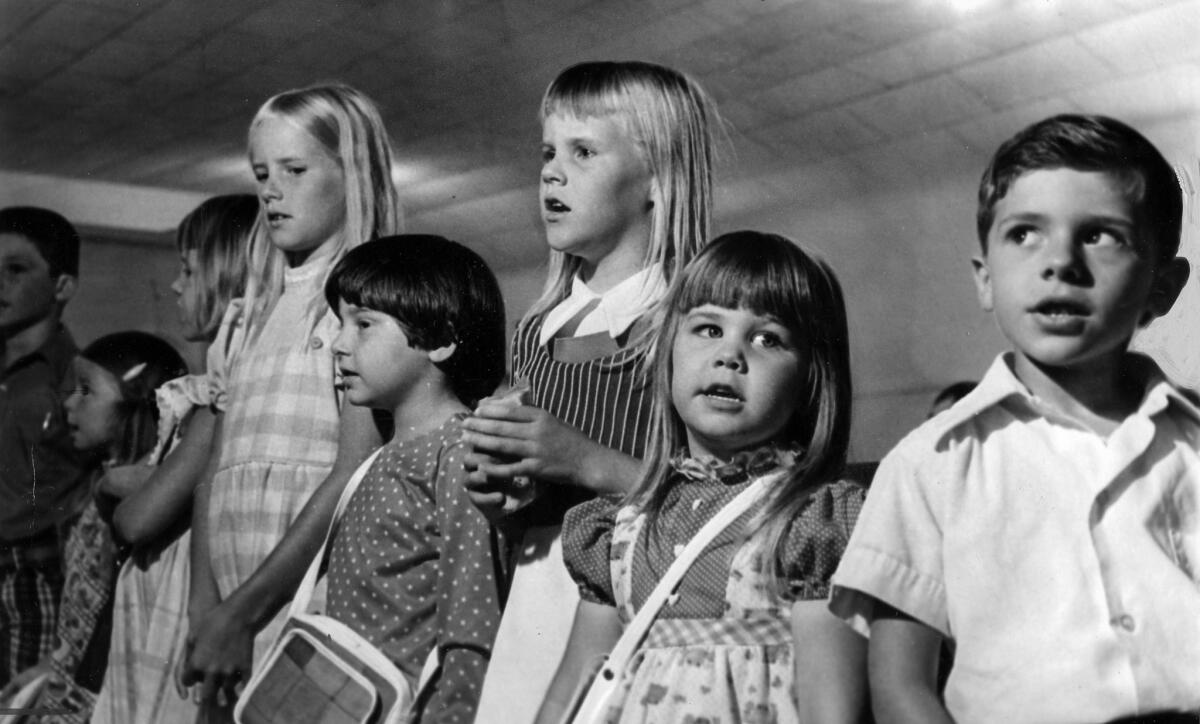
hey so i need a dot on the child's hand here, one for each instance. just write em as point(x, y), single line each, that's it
point(21, 680)
point(495, 497)
point(519, 440)
point(219, 656)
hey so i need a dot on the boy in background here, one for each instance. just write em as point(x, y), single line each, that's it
point(40, 472)
point(1047, 527)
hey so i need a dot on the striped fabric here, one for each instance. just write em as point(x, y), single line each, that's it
point(591, 384)
point(604, 396)
point(279, 436)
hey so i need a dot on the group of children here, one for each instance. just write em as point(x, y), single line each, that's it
point(1025, 556)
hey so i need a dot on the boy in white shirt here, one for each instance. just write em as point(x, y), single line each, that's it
point(1046, 526)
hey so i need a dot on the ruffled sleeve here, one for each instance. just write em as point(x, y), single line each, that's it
point(818, 538)
point(587, 546)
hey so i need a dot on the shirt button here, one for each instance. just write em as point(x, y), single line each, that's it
point(1125, 621)
point(316, 343)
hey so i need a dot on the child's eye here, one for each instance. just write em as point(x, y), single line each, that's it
point(710, 331)
point(1105, 237)
point(584, 152)
point(1019, 234)
point(296, 170)
point(547, 154)
point(768, 340)
point(363, 324)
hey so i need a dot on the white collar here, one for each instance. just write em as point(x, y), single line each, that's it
point(1001, 383)
point(617, 310)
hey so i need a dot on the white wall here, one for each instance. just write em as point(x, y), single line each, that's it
point(896, 223)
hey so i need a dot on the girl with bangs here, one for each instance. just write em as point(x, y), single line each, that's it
point(625, 194)
point(751, 392)
point(286, 445)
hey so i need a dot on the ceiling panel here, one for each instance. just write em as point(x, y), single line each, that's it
point(159, 92)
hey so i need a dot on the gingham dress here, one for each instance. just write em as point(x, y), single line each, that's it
point(279, 437)
point(722, 650)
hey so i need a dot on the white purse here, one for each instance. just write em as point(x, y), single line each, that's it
point(320, 670)
point(593, 697)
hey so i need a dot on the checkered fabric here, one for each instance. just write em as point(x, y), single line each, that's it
point(31, 581)
point(279, 437)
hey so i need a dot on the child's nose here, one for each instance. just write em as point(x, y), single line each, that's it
point(268, 190)
point(1063, 260)
point(552, 171)
point(730, 355)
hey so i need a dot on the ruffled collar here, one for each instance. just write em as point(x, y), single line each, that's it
point(741, 467)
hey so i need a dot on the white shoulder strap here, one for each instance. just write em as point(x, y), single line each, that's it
point(309, 582)
point(632, 637)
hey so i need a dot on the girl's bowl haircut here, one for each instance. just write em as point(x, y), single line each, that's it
point(441, 293)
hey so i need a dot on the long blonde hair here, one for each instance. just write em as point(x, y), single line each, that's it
point(671, 119)
point(767, 274)
point(218, 231)
point(348, 125)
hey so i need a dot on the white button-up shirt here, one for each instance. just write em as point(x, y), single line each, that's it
point(617, 310)
point(1064, 566)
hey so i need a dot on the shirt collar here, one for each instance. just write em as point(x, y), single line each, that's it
point(1000, 383)
point(618, 308)
point(58, 351)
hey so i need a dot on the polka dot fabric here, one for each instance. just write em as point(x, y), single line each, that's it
point(413, 563)
point(721, 649)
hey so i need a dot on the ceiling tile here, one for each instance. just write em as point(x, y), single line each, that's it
point(930, 54)
point(1059, 65)
point(74, 26)
point(813, 91)
point(918, 107)
point(1146, 41)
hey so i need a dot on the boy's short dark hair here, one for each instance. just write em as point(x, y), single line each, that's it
point(441, 292)
point(1090, 143)
point(55, 238)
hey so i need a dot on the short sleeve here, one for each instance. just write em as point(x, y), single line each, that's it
point(818, 537)
point(587, 545)
point(224, 349)
point(895, 553)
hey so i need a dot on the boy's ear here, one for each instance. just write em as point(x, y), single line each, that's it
point(64, 287)
point(441, 354)
point(1168, 283)
point(983, 282)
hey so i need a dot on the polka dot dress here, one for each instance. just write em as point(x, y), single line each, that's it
point(722, 648)
point(413, 563)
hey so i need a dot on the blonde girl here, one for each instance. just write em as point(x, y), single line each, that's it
point(751, 379)
point(154, 516)
point(112, 417)
point(285, 445)
point(625, 194)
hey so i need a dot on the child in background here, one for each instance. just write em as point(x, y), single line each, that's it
point(112, 417)
point(150, 604)
point(751, 378)
point(413, 564)
point(626, 193)
point(323, 163)
point(39, 268)
point(1045, 525)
